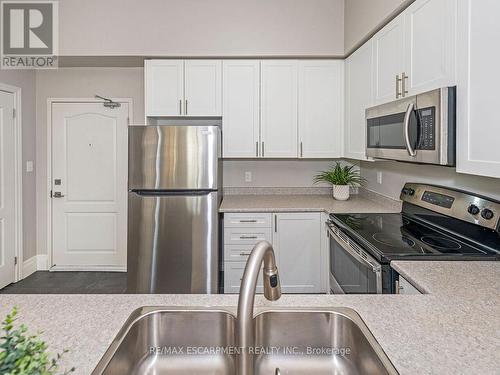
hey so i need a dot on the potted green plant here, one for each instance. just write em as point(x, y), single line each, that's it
point(341, 178)
point(24, 354)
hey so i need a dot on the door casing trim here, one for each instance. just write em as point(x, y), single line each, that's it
point(50, 101)
point(18, 177)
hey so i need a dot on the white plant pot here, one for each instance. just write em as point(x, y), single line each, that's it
point(341, 192)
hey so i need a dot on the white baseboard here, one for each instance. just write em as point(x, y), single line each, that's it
point(29, 266)
point(89, 268)
point(41, 262)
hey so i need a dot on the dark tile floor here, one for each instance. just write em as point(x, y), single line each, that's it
point(44, 282)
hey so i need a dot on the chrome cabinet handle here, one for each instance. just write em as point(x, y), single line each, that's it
point(404, 77)
point(408, 113)
point(244, 254)
point(257, 149)
point(262, 148)
point(180, 106)
point(248, 237)
point(276, 223)
point(186, 107)
point(301, 150)
point(248, 221)
point(398, 81)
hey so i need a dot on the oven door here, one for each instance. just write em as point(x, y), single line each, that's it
point(352, 271)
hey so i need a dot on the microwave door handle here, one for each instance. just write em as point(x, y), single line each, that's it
point(409, 111)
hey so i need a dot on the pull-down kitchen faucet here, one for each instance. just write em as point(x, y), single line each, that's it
point(263, 251)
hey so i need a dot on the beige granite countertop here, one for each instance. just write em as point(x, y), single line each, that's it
point(453, 330)
point(452, 278)
point(306, 203)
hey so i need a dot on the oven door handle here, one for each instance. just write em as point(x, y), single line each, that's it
point(409, 111)
point(375, 267)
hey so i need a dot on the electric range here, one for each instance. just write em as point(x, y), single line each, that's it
point(436, 223)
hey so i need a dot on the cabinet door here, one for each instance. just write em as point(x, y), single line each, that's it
point(297, 238)
point(359, 96)
point(203, 82)
point(279, 108)
point(240, 108)
point(164, 87)
point(388, 51)
point(430, 48)
point(478, 129)
point(321, 93)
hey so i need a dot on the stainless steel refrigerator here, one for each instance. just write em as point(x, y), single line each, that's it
point(175, 188)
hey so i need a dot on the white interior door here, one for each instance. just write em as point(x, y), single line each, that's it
point(89, 172)
point(7, 186)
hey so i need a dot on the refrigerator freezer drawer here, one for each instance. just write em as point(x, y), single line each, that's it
point(174, 157)
point(172, 243)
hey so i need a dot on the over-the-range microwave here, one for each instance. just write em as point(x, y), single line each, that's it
point(418, 129)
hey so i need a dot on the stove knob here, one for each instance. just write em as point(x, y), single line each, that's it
point(487, 214)
point(411, 191)
point(473, 209)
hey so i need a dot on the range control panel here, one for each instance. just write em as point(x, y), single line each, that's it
point(455, 203)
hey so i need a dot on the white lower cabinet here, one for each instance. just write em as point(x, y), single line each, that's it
point(297, 238)
point(297, 243)
point(406, 288)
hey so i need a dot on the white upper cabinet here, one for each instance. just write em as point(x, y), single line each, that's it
point(430, 45)
point(320, 110)
point(240, 108)
point(358, 97)
point(279, 108)
point(478, 127)
point(203, 88)
point(164, 87)
point(416, 52)
point(388, 57)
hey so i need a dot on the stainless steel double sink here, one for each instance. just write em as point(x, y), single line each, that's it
point(177, 341)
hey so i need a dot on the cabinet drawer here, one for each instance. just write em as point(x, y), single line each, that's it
point(233, 272)
point(237, 253)
point(247, 236)
point(247, 220)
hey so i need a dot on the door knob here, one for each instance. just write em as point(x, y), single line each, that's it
point(58, 194)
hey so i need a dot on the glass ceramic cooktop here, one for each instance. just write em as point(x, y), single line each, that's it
point(396, 235)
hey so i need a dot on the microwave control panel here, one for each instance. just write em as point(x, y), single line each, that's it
point(427, 119)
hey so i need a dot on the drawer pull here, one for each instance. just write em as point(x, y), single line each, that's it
point(248, 237)
point(244, 254)
point(248, 221)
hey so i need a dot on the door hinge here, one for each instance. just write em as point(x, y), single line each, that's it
point(15, 261)
point(13, 113)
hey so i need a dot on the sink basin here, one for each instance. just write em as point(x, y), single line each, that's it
point(171, 341)
point(160, 341)
point(317, 342)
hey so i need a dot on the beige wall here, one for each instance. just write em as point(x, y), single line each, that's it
point(77, 83)
point(273, 173)
point(394, 176)
point(361, 17)
point(26, 81)
point(201, 27)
